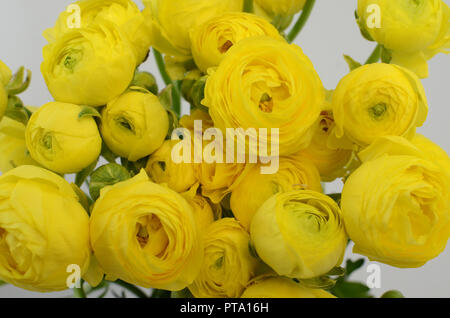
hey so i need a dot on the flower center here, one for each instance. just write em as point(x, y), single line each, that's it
point(266, 103)
point(72, 59)
point(225, 47)
point(125, 123)
point(377, 111)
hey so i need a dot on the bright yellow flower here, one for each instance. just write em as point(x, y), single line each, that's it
point(300, 234)
point(171, 21)
point(250, 194)
point(161, 168)
point(414, 31)
point(43, 230)
point(282, 287)
point(228, 265)
point(203, 211)
point(5, 77)
point(281, 7)
point(377, 100)
point(89, 66)
point(13, 149)
point(61, 141)
point(134, 125)
point(266, 83)
point(402, 216)
point(212, 40)
point(146, 234)
point(125, 14)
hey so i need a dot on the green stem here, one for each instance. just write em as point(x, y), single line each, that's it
point(159, 293)
point(176, 96)
point(248, 6)
point(307, 9)
point(78, 292)
point(131, 288)
point(375, 56)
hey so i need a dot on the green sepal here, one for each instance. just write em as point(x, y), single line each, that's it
point(322, 282)
point(81, 176)
point(184, 293)
point(106, 175)
point(392, 294)
point(145, 80)
point(134, 167)
point(362, 28)
point(17, 84)
point(352, 64)
point(88, 111)
point(386, 55)
point(16, 111)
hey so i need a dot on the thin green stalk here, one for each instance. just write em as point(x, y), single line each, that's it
point(375, 56)
point(131, 288)
point(176, 96)
point(307, 9)
point(248, 6)
point(78, 292)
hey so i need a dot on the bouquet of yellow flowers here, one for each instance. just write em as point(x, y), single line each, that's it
point(226, 201)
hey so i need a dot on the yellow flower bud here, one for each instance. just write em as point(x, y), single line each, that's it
point(266, 83)
point(43, 230)
point(256, 188)
point(61, 141)
point(414, 31)
point(89, 66)
point(171, 21)
point(146, 234)
point(281, 7)
point(377, 100)
point(210, 41)
point(433, 152)
point(300, 234)
point(282, 287)
point(13, 149)
point(402, 216)
point(228, 265)
point(161, 168)
point(134, 125)
point(125, 14)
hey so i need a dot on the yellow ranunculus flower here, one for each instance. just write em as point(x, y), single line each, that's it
point(61, 141)
point(228, 265)
point(377, 100)
point(266, 83)
point(250, 194)
point(282, 287)
point(433, 152)
point(134, 125)
point(402, 216)
point(5, 77)
point(281, 7)
point(43, 230)
point(203, 212)
point(414, 31)
point(146, 234)
point(13, 149)
point(300, 234)
point(210, 41)
point(125, 14)
point(171, 21)
point(161, 168)
point(89, 66)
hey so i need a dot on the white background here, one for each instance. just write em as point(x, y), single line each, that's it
point(330, 33)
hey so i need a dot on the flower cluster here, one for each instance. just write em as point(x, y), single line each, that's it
point(169, 206)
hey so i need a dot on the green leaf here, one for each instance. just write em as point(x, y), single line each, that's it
point(352, 266)
point(16, 111)
point(145, 80)
point(134, 167)
point(352, 64)
point(337, 271)
point(166, 97)
point(88, 111)
point(106, 175)
point(392, 294)
point(345, 289)
point(81, 176)
point(184, 293)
